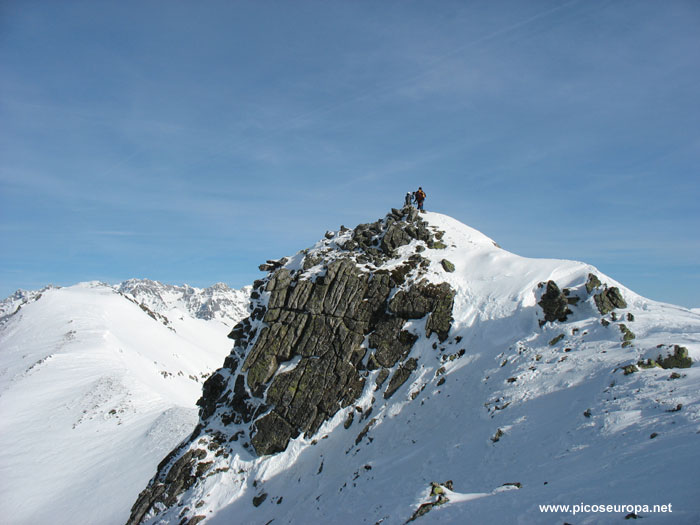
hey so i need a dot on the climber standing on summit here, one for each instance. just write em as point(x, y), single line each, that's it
point(420, 197)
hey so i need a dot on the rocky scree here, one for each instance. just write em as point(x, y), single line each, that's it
point(317, 327)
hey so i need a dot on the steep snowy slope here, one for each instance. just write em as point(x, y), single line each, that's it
point(94, 390)
point(412, 369)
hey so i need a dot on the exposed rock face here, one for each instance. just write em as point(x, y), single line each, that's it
point(554, 303)
point(592, 283)
point(679, 358)
point(400, 377)
point(317, 327)
point(609, 299)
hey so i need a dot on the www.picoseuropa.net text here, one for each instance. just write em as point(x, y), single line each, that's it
point(583, 508)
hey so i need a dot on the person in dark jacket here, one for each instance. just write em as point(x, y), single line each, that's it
point(408, 200)
point(420, 197)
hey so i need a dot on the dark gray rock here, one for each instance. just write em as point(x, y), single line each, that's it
point(272, 433)
point(447, 265)
point(411, 214)
point(554, 303)
point(679, 358)
point(391, 343)
point(364, 431)
point(381, 377)
point(592, 283)
point(403, 372)
point(259, 499)
point(324, 323)
point(272, 265)
point(212, 391)
point(609, 299)
point(169, 484)
point(310, 261)
point(556, 339)
point(630, 369)
point(627, 335)
point(423, 299)
point(395, 237)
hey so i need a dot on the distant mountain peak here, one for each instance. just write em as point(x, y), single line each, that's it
point(218, 301)
point(14, 302)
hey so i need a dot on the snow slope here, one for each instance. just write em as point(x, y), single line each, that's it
point(94, 390)
point(512, 414)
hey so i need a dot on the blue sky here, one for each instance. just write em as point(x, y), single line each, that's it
point(190, 141)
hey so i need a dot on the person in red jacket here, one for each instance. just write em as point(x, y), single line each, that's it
point(420, 197)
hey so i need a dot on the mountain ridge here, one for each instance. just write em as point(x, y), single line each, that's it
point(397, 318)
point(95, 386)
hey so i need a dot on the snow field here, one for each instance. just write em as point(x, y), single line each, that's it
point(93, 393)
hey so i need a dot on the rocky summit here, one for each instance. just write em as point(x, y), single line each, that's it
point(411, 349)
point(337, 312)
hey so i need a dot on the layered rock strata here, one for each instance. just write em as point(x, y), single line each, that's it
point(319, 323)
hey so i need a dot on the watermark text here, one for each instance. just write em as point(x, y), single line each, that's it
point(583, 508)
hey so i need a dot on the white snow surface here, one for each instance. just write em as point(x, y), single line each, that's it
point(560, 420)
point(95, 390)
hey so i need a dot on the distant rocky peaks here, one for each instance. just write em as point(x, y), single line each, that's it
point(216, 302)
point(14, 302)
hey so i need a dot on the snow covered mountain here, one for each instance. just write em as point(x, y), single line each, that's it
point(410, 369)
point(216, 302)
point(97, 383)
point(9, 305)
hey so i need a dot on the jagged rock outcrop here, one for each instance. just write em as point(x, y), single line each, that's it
point(678, 359)
point(554, 303)
point(609, 299)
point(592, 283)
point(319, 323)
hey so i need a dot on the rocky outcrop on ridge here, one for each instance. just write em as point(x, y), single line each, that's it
point(320, 322)
point(555, 302)
point(609, 299)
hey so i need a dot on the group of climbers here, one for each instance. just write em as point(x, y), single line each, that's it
point(417, 196)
